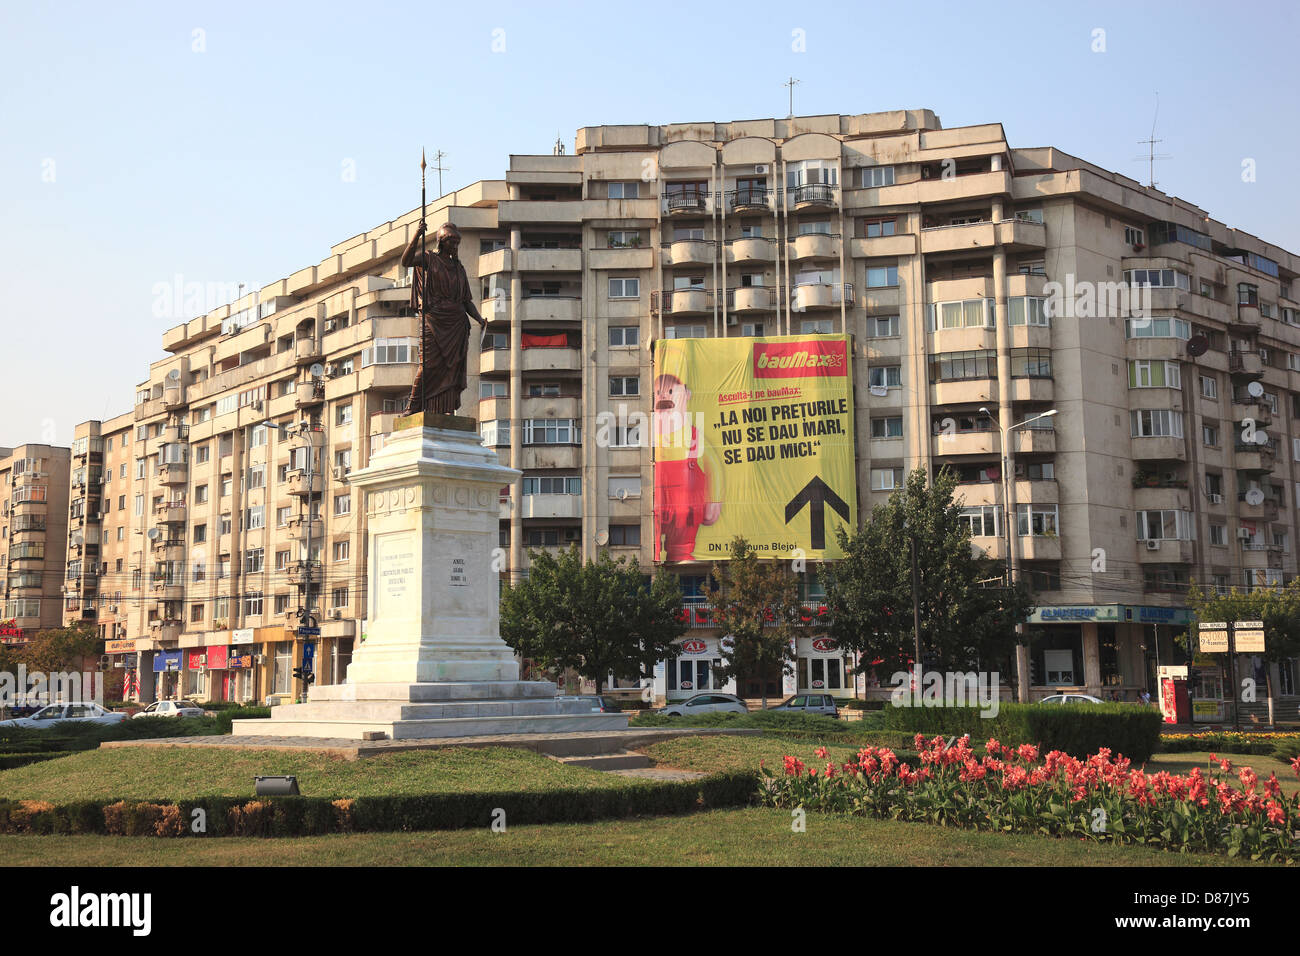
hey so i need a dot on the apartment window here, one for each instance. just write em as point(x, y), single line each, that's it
point(820, 227)
point(886, 479)
point(885, 376)
point(882, 326)
point(628, 486)
point(961, 366)
point(227, 482)
point(877, 228)
point(551, 431)
point(339, 598)
point(257, 477)
point(1154, 423)
point(686, 332)
point(200, 533)
point(1154, 374)
point(1210, 436)
point(1209, 386)
point(882, 277)
point(281, 604)
point(1157, 525)
point(624, 288)
point(196, 613)
point(624, 385)
point(1213, 484)
point(1133, 236)
point(1034, 519)
point(968, 313)
point(282, 560)
point(342, 504)
point(255, 518)
point(1027, 310)
point(1219, 535)
point(257, 436)
point(225, 524)
point(496, 432)
point(1153, 328)
point(1247, 294)
point(254, 559)
point(1035, 471)
point(493, 389)
point(343, 414)
point(282, 516)
point(342, 551)
point(139, 505)
point(630, 190)
point(624, 535)
point(1157, 278)
point(887, 427)
point(202, 454)
point(620, 335)
point(751, 329)
point(624, 239)
point(816, 326)
point(982, 520)
point(253, 604)
point(1031, 363)
point(876, 176)
point(625, 436)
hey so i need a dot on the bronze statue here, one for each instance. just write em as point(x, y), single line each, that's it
point(441, 295)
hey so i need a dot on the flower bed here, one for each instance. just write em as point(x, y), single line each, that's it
point(1098, 798)
point(1282, 744)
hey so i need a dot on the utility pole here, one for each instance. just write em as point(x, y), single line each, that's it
point(916, 610)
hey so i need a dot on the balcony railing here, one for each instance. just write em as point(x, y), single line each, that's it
point(822, 194)
point(749, 197)
point(701, 615)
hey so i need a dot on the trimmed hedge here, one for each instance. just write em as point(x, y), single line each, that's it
point(1075, 729)
point(310, 816)
point(225, 717)
point(12, 760)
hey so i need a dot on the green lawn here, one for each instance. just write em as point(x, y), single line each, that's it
point(712, 754)
point(1181, 763)
point(171, 773)
point(754, 837)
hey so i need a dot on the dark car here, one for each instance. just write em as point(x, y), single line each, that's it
point(809, 704)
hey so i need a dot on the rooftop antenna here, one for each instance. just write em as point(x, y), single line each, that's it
point(1150, 143)
point(559, 145)
point(790, 85)
point(438, 157)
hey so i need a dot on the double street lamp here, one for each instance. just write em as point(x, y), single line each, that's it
point(1007, 519)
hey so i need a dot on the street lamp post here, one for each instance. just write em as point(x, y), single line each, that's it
point(1007, 518)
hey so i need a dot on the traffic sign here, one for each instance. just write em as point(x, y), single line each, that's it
point(309, 632)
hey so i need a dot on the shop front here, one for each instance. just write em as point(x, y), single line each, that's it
point(167, 667)
point(821, 666)
point(123, 659)
point(692, 671)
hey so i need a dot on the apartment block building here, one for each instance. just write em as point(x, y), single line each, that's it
point(983, 285)
point(33, 537)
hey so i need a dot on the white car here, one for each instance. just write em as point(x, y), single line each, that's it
point(706, 704)
point(172, 708)
point(1072, 699)
point(79, 712)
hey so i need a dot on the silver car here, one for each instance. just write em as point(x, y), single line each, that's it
point(1072, 699)
point(706, 704)
point(809, 704)
point(78, 712)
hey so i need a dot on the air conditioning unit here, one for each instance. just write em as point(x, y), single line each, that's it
point(329, 325)
point(259, 658)
point(761, 170)
point(1243, 534)
point(1216, 499)
point(336, 615)
point(341, 473)
point(1153, 544)
point(733, 320)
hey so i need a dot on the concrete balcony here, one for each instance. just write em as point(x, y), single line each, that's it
point(561, 406)
point(298, 485)
point(960, 238)
point(150, 409)
point(1032, 389)
point(979, 493)
point(1039, 548)
point(525, 211)
point(167, 513)
point(963, 339)
point(550, 456)
point(168, 592)
point(1245, 320)
point(752, 299)
point(300, 527)
point(173, 398)
point(551, 506)
point(990, 546)
point(1167, 349)
point(689, 252)
point(549, 260)
point(551, 360)
point(1021, 234)
point(1161, 448)
point(965, 443)
point(813, 196)
point(750, 200)
point(629, 258)
point(1256, 555)
point(1259, 413)
point(1029, 337)
point(1162, 499)
point(1266, 510)
point(616, 212)
point(882, 246)
point(495, 262)
point(925, 191)
point(751, 250)
point(688, 204)
point(1166, 551)
point(549, 308)
point(685, 302)
point(949, 290)
point(815, 245)
point(982, 390)
point(1245, 365)
point(1253, 459)
point(494, 362)
point(493, 409)
point(308, 394)
point(174, 473)
point(820, 296)
point(307, 350)
point(1037, 492)
point(168, 550)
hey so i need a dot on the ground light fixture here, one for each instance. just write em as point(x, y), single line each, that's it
point(276, 786)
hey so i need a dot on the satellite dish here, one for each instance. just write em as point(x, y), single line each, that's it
point(174, 375)
point(152, 534)
point(602, 537)
point(317, 370)
point(1254, 497)
point(1261, 437)
point(1255, 390)
point(622, 494)
point(1197, 346)
point(880, 391)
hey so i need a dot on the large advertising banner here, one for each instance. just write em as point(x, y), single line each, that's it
point(753, 437)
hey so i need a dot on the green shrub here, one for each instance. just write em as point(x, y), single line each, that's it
point(1287, 750)
point(10, 761)
point(226, 717)
point(1225, 745)
point(1076, 729)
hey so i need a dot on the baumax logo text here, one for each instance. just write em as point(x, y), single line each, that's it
point(797, 359)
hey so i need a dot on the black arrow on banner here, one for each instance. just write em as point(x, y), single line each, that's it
point(816, 495)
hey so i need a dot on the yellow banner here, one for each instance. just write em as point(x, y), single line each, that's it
point(753, 436)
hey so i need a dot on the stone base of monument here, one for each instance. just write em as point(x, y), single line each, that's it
point(432, 662)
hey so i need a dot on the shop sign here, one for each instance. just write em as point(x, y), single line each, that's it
point(819, 683)
point(194, 659)
point(166, 661)
point(687, 685)
point(694, 646)
point(825, 645)
point(242, 636)
point(119, 647)
point(217, 657)
point(239, 658)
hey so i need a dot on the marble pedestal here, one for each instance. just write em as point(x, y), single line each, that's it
point(433, 663)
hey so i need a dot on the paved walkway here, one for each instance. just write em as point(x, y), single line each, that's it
point(559, 745)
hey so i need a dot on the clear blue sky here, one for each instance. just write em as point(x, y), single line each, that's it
point(226, 165)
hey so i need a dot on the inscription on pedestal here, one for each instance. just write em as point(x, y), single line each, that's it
point(395, 573)
point(458, 577)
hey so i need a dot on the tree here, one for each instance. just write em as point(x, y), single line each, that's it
point(76, 647)
point(967, 614)
point(756, 609)
point(1277, 607)
point(599, 617)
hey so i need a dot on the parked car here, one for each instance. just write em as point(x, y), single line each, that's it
point(1072, 699)
point(600, 703)
point(809, 704)
point(706, 704)
point(78, 711)
point(172, 708)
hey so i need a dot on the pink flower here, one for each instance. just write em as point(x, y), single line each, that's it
point(1276, 814)
point(820, 752)
point(992, 746)
point(1027, 752)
